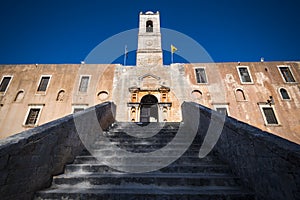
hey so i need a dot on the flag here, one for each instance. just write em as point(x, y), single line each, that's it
point(173, 48)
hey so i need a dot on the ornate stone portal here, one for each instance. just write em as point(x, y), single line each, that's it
point(149, 105)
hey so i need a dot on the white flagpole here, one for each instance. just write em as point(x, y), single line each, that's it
point(172, 57)
point(125, 55)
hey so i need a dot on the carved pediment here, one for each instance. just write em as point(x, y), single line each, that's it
point(149, 81)
point(149, 76)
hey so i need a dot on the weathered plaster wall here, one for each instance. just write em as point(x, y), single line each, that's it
point(64, 77)
point(267, 81)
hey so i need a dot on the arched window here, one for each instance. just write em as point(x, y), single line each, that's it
point(149, 26)
point(133, 110)
point(284, 94)
point(102, 95)
point(239, 95)
point(196, 94)
point(19, 96)
point(60, 95)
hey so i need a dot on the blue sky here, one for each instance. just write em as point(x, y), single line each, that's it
point(65, 31)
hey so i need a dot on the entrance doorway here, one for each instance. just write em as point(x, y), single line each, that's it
point(149, 109)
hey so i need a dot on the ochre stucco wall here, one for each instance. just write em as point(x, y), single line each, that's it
point(113, 83)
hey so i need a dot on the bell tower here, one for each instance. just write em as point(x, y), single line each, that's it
point(149, 52)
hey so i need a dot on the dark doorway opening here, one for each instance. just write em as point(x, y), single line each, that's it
point(149, 109)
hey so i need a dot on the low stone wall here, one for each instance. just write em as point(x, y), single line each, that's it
point(28, 160)
point(270, 165)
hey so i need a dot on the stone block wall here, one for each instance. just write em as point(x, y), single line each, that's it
point(270, 165)
point(28, 160)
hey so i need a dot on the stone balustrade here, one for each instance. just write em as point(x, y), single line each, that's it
point(270, 165)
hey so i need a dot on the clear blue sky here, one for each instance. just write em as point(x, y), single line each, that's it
point(65, 31)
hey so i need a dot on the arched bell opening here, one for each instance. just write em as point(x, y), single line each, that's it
point(149, 26)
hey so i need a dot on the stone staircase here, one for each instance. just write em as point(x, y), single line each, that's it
point(189, 177)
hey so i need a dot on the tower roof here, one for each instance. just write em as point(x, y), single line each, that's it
point(149, 13)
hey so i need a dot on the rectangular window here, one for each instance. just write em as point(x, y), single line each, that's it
point(201, 75)
point(222, 111)
point(221, 108)
point(79, 107)
point(5, 83)
point(77, 110)
point(244, 74)
point(287, 74)
point(44, 82)
point(33, 115)
point(84, 82)
point(269, 114)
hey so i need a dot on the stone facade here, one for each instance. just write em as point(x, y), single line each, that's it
point(263, 94)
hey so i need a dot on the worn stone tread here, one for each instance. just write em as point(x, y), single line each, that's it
point(148, 175)
point(146, 189)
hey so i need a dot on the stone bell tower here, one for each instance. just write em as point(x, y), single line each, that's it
point(149, 52)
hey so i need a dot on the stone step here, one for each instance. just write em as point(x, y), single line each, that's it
point(158, 179)
point(131, 146)
point(162, 140)
point(136, 141)
point(202, 167)
point(151, 129)
point(141, 192)
point(142, 130)
point(212, 156)
point(111, 152)
point(145, 129)
point(134, 160)
point(142, 136)
point(145, 149)
point(153, 124)
point(188, 177)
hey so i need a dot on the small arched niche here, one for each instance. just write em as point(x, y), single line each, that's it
point(60, 95)
point(102, 95)
point(196, 94)
point(240, 95)
point(284, 94)
point(19, 96)
point(134, 97)
point(133, 110)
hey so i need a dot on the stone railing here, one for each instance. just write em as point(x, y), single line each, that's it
point(266, 163)
point(28, 160)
